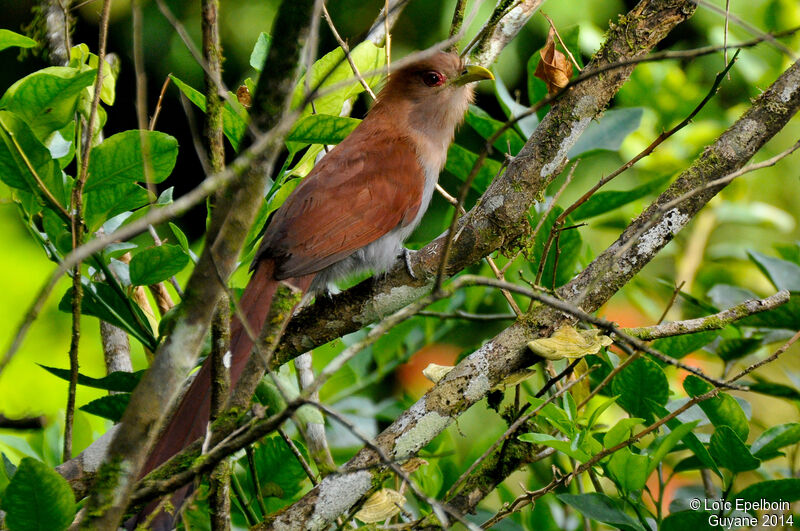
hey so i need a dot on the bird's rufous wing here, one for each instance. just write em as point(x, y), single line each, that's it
point(361, 190)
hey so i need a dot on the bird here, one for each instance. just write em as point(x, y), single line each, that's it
point(350, 214)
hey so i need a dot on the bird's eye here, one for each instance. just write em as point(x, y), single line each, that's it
point(432, 78)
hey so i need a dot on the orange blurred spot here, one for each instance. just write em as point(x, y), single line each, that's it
point(409, 375)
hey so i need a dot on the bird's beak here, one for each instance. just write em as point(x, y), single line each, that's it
point(472, 73)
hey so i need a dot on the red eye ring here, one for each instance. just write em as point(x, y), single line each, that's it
point(432, 78)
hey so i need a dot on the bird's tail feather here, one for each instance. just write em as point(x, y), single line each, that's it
point(190, 419)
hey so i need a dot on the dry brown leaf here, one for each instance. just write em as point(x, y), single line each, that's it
point(554, 68)
point(243, 95)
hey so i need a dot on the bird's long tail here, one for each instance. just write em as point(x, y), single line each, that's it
point(190, 419)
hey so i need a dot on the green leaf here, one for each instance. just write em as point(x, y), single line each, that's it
point(679, 346)
point(526, 126)
point(110, 407)
point(789, 252)
point(766, 387)
point(278, 471)
point(668, 443)
point(782, 273)
point(7, 470)
point(730, 452)
point(183, 241)
point(102, 301)
point(683, 520)
point(106, 202)
point(8, 39)
point(564, 447)
point(775, 490)
point(603, 202)
point(638, 382)
point(259, 54)
point(460, 162)
point(157, 264)
point(319, 129)
point(553, 414)
point(19, 147)
point(509, 141)
point(722, 410)
point(38, 499)
point(81, 58)
point(569, 243)
point(599, 411)
point(571, 38)
point(690, 440)
point(120, 159)
point(629, 470)
point(537, 88)
point(334, 69)
point(775, 438)
point(608, 132)
point(621, 431)
point(48, 98)
point(234, 115)
point(737, 347)
point(119, 381)
point(602, 508)
point(754, 213)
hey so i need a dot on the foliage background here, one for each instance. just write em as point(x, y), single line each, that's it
point(754, 213)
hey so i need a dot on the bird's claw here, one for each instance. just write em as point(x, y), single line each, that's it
point(407, 260)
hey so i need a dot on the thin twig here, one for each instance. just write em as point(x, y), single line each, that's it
point(346, 49)
point(569, 53)
point(461, 314)
point(251, 464)
point(300, 459)
point(77, 229)
point(671, 303)
point(783, 348)
point(153, 119)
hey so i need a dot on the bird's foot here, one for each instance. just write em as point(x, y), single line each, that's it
point(407, 260)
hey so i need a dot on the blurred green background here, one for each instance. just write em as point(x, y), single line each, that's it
point(754, 213)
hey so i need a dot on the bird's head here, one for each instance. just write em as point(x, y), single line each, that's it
point(435, 91)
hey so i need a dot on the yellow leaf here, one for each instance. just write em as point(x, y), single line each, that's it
point(380, 506)
point(567, 342)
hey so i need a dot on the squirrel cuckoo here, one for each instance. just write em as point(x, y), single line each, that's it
point(351, 213)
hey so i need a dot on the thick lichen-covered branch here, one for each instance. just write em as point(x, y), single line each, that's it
point(506, 354)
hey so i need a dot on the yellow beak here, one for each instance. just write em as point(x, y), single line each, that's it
point(472, 73)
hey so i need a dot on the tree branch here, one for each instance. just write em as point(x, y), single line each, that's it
point(717, 321)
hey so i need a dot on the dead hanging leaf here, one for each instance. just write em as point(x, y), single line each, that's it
point(567, 342)
point(380, 506)
point(554, 68)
